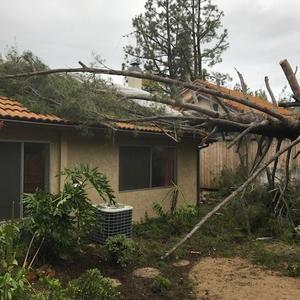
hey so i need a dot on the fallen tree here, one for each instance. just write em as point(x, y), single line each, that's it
point(267, 123)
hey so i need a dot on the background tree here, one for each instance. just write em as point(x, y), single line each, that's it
point(179, 39)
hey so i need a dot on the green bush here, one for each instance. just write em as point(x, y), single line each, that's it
point(229, 180)
point(12, 277)
point(51, 289)
point(63, 221)
point(121, 250)
point(180, 220)
point(92, 285)
point(161, 284)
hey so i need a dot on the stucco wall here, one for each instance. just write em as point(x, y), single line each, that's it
point(68, 148)
point(102, 152)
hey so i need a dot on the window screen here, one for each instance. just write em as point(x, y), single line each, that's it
point(35, 158)
point(134, 168)
point(145, 167)
point(163, 166)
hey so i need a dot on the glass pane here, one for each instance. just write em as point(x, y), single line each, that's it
point(10, 180)
point(163, 166)
point(134, 168)
point(35, 156)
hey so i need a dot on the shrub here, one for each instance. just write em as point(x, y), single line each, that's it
point(180, 220)
point(51, 290)
point(12, 277)
point(161, 284)
point(63, 221)
point(120, 250)
point(92, 285)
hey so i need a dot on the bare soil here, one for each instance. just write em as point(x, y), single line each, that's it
point(236, 278)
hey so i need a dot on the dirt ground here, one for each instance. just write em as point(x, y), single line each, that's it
point(236, 278)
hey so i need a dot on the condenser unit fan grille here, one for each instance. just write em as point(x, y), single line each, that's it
point(112, 221)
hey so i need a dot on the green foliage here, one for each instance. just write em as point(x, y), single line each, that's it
point(181, 220)
point(161, 284)
point(294, 269)
point(12, 277)
point(229, 180)
point(79, 175)
point(64, 220)
point(179, 38)
point(121, 250)
point(92, 285)
point(50, 289)
point(82, 98)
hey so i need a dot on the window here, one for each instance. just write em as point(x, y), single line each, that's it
point(23, 168)
point(35, 157)
point(146, 167)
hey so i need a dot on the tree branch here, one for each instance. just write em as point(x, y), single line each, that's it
point(230, 197)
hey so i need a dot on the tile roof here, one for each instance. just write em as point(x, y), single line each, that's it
point(255, 99)
point(12, 109)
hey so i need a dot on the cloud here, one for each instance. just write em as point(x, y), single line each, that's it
point(61, 32)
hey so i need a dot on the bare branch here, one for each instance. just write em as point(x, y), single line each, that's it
point(270, 91)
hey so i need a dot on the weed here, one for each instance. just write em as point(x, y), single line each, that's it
point(92, 285)
point(121, 250)
point(161, 284)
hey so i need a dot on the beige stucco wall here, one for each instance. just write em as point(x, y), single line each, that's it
point(68, 148)
point(100, 151)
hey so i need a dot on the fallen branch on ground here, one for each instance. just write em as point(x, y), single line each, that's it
point(230, 197)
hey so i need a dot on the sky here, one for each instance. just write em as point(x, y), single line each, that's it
point(61, 32)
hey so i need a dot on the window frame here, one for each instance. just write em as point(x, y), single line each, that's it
point(47, 166)
point(150, 162)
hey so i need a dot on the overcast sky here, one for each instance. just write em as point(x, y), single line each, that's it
point(61, 32)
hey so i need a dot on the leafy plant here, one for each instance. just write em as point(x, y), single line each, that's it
point(121, 250)
point(92, 285)
point(51, 289)
point(63, 221)
point(79, 176)
point(161, 284)
point(179, 220)
point(12, 277)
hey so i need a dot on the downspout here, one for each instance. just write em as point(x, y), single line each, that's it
point(198, 177)
point(198, 173)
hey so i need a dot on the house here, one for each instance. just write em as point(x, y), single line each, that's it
point(217, 157)
point(141, 162)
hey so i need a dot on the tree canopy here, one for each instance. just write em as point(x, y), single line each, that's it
point(79, 97)
point(179, 39)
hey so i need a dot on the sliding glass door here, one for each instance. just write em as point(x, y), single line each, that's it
point(10, 179)
point(23, 169)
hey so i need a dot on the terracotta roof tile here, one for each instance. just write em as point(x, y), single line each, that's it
point(255, 99)
point(12, 109)
point(123, 125)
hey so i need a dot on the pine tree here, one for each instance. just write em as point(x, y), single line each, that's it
point(178, 38)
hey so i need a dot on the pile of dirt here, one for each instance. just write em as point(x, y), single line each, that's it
point(236, 278)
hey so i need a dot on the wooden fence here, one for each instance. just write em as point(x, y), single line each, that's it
point(216, 157)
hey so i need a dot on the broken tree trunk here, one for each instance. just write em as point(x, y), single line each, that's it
point(291, 77)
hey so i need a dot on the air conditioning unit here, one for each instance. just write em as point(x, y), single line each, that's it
point(112, 220)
